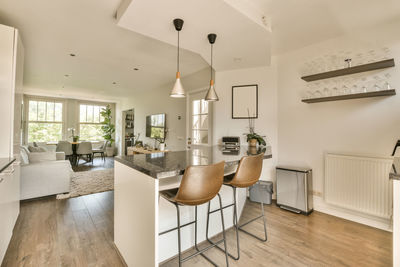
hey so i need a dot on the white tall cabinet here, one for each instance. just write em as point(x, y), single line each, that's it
point(11, 75)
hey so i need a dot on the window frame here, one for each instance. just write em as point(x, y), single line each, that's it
point(26, 121)
point(90, 103)
point(192, 96)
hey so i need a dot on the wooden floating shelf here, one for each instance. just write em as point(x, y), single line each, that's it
point(351, 96)
point(352, 70)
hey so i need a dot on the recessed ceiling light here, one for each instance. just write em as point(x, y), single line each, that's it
point(66, 75)
point(114, 83)
point(135, 68)
point(237, 59)
point(72, 54)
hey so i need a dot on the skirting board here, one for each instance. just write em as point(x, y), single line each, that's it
point(380, 223)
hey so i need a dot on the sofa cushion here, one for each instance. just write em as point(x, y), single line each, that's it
point(26, 149)
point(24, 157)
point(35, 157)
point(36, 149)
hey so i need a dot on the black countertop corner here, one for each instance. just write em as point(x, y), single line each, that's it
point(395, 172)
point(169, 164)
point(5, 162)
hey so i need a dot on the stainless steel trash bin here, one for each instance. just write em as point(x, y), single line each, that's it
point(294, 189)
point(262, 190)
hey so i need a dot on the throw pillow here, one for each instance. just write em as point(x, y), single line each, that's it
point(24, 157)
point(36, 157)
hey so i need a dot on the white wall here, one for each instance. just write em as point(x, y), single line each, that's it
point(155, 102)
point(158, 101)
point(362, 126)
point(266, 124)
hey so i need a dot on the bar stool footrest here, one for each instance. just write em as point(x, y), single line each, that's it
point(253, 235)
point(221, 249)
point(201, 251)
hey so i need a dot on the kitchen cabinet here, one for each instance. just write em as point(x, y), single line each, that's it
point(11, 82)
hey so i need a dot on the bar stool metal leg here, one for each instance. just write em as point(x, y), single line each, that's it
point(223, 230)
point(201, 252)
point(179, 234)
point(252, 220)
point(237, 226)
point(213, 244)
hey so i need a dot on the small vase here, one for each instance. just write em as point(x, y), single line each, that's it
point(253, 142)
point(75, 139)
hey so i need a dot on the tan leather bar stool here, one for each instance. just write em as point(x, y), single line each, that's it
point(247, 174)
point(199, 185)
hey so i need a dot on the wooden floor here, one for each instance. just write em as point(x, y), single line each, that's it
point(79, 232)
point(98, 164)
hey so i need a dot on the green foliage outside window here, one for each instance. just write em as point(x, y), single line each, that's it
point(44, 132)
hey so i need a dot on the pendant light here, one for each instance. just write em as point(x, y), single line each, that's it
point(178, 90)
point(211, 94)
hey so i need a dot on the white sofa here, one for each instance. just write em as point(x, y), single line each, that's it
point(45, 174)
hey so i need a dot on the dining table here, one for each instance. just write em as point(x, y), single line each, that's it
point(74, 149)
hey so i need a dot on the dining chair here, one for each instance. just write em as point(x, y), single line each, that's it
point(84, 149)
point(66, 147)
point(101, 150)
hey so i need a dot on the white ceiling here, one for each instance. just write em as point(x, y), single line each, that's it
point(105, 53)
point(299, 23)
point(51, 30)
point(237, 36)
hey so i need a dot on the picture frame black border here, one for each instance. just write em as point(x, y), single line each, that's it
point(233, 87)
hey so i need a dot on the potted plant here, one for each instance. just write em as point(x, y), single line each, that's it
point(252, 137)
point(108, 130)
point(75, 138)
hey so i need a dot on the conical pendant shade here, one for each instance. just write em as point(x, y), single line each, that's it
point(178, 90)
point(211, 94)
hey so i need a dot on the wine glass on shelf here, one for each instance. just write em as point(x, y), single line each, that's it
point(320, 65)
point(377, 83)
point(318, 94)
point(387, 85)
point(359, 59)
point(348, 59)
point(384, 53)
point(371, 56)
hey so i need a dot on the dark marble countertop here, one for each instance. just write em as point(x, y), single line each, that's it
point(173, 163)
point(5, 162)
point(395, 172)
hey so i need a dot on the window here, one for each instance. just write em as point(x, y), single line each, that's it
point(200, 121)
point(45, 121)
point(90, 122)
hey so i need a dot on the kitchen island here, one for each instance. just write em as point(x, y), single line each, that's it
point(140, 214)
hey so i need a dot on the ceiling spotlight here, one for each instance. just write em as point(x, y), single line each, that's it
point(72, 55)
point(135, 69)
point(114, 83)
point(66, 75)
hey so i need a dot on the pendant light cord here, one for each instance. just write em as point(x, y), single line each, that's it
point(211, 61)
point(178, 52)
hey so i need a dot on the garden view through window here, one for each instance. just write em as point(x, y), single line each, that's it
point(90, 122)
point(45, 121)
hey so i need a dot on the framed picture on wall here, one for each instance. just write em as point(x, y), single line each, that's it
point(245, 101)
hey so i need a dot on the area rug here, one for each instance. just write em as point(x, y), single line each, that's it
point(89, 182)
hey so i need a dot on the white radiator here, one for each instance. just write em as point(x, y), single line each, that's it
point(359, 183)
